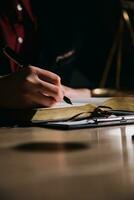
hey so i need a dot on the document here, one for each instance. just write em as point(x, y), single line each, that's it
point(81, 109)
point(121, 112)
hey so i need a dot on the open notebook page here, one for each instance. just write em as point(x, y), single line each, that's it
point(78, 102)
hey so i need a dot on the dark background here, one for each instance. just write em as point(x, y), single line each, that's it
point(89, 27)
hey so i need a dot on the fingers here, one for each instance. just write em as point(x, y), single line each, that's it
point(49, 84)
point(29, 87)
point(47, 76)
point(51, 90)
point(39, 99)
point(46, 91)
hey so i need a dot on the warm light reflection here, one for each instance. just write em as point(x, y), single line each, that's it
point(125, 15)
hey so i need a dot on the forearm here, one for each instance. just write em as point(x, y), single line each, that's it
point(78, 93)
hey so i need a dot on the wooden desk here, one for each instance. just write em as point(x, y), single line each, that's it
point(88, 164)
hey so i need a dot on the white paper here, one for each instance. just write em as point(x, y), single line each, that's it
point(78, 102)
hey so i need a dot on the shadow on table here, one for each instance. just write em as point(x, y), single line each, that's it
point(51, 146)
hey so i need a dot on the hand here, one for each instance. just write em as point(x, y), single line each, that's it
point(30, 87)
point(76, 93)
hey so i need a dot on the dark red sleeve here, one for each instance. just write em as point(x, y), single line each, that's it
point(18, 30)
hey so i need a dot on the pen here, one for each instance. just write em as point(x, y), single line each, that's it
point(14, 57)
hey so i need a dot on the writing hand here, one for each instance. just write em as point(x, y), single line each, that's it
point(30, 87)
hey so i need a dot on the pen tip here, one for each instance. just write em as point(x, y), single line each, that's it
point(67, 100)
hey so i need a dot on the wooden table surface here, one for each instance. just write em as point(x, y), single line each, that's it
point(93, 164)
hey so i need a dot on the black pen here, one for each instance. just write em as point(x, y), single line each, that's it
point(14, 57)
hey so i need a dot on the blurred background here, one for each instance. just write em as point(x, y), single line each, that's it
point(105, 42)
point(88, 28)
point(99, 33)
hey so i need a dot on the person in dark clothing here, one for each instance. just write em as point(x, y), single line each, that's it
point(89, 30)
point(74, 34)
point(31, 30)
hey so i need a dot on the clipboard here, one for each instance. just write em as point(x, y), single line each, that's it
point(89, 123)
